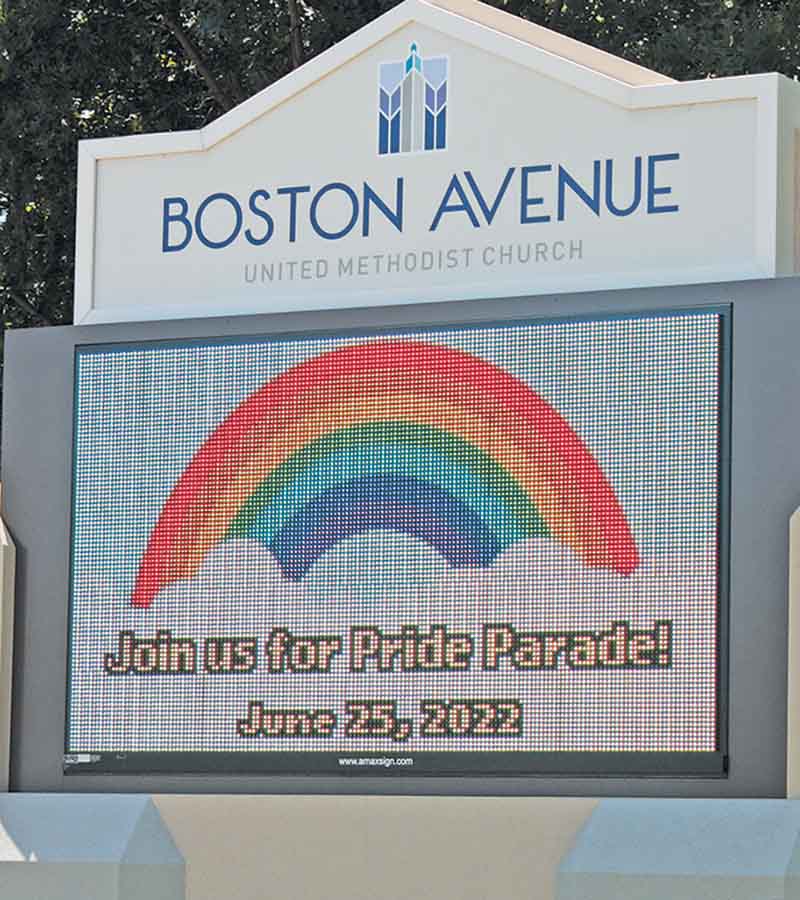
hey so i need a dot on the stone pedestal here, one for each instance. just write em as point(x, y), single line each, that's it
point(685, 850)
point(86, 847)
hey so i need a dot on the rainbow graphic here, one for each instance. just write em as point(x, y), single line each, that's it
point(406, 435)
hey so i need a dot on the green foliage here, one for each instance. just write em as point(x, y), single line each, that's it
point(686, 40)
point(86, 68)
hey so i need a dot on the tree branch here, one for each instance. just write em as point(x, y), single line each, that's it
point(22, 304)
point(192, 51)
point(294, 33)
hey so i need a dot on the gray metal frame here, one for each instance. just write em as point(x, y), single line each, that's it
point(765, 489)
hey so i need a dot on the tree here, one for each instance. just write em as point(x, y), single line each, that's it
point(95, 68)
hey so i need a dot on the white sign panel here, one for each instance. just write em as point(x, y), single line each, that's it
point(431, 157)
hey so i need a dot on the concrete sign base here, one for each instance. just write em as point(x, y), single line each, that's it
point(682, 849)
point(71, 847)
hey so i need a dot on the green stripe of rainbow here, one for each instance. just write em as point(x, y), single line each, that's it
point(386, 449)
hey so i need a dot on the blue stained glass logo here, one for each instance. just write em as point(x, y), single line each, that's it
point(412, 104)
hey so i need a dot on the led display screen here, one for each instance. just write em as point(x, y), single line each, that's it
point(483, 549)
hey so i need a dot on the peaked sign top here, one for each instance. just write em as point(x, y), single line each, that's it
point(447, 150)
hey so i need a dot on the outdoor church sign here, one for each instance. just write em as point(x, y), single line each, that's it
point(441, 154)
point(497, 538)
